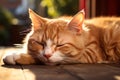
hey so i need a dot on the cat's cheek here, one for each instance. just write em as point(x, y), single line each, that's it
point(56, 57)
point(40, 56)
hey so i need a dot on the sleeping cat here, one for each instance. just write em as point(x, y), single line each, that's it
point(69, 40)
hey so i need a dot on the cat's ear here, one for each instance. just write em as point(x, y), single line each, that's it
point(37, 21)
point(77, 21)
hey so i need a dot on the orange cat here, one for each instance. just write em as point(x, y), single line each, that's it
point(70, 40)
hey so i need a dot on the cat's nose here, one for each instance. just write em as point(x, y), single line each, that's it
point(48, 55)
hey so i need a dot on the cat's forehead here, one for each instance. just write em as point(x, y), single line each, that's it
point(54, 30)
point(57, 23)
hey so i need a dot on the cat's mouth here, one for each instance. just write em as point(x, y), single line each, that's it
point(53, 59)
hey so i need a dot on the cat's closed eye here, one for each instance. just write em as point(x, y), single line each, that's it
point(32, 41)
point(63, 48)
point(41, 43)
point(60, 45)
point(35, 45)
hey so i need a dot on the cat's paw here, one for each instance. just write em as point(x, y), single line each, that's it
point(11, 59)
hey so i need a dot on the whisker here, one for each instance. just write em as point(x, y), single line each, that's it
point(25, 31)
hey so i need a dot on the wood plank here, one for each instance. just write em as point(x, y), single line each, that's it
point(62, 72)
point(11, 73)
point(38, 72)
point(94, 71)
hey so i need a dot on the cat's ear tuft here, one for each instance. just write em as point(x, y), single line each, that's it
point(77, 22)
point(37, 21)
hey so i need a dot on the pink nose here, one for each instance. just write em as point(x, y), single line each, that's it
point(48, 55)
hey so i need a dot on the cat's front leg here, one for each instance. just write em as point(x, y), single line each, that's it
point(18, 59)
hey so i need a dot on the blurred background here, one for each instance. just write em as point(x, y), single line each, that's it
point(15, 22)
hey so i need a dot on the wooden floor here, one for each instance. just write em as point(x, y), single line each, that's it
point(61, 72)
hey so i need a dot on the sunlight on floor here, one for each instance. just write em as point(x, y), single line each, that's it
point(117, 77)
point(30, 75)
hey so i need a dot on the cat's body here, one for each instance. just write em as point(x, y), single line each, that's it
point(106, 31)
point(66, 41)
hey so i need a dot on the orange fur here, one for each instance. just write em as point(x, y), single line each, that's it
point(73, 40)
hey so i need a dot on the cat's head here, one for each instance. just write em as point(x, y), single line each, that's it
point(55, 41)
